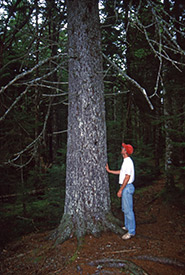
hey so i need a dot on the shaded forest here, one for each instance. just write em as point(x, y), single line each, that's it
point(143, 70)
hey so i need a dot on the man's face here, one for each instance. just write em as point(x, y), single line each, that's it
point(123, 152)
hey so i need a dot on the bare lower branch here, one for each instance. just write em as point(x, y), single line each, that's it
point(134, 82)
point(32, 144)
point(55, 95)
point(118, 93)
point(28, 72)
point(165, 25)
point(159, 71)
point(57, 133)
point(12, 161)
point(160, 54)
point(14, 103)
point(60, 102)
point(58, 82)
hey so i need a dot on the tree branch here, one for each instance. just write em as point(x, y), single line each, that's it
point(134, 82)
point(31, 145)
point(14, 103)
point(159, 54)
point(28, 72)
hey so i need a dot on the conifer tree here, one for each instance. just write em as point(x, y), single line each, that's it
point(87, 202)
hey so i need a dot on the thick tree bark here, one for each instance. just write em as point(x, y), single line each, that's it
point(87, 202)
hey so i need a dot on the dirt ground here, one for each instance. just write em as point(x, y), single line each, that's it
point(157, 248)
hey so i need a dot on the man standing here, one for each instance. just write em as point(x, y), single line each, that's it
point(126, 191)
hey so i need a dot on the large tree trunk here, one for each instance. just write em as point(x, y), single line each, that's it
point(87, 202)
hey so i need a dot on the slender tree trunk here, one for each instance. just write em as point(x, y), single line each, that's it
point(127, 118)
point(37, 93)
point(157, 138)
point(168, 124)
point(54, 36)
point(87, 202)
point(169, 171)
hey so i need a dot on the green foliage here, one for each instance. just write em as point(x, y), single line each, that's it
point(145, 169)
point(141, 53)
point(175, 196)
point(42, 212)
point(55, 193)
point(39, 210)
point(144, 161)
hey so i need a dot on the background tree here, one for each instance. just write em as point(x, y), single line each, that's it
point(149, 33)
point(27, 67)
point(173, 69)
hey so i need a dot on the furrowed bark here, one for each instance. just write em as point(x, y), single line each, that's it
point(87, 202)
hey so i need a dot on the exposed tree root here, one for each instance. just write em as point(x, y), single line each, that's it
point(122, 264)
point(79, 227)
point(161, 260)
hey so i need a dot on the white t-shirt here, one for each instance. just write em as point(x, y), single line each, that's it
point(127, 167)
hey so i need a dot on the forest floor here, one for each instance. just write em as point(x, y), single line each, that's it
point(157, 248)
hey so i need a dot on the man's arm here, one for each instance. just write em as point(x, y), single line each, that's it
point(115, 172)
point(125, 181)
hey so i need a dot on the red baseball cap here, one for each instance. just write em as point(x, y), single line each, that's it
point(128, 148)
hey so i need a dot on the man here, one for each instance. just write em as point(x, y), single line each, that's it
point(126, 191)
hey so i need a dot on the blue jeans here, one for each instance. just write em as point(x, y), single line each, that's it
point(127, 208)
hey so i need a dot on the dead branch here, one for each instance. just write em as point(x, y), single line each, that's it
point(118, 93)
point(160, 55)
point(13, 104)
point(61, 102)
point(36, 80)
point(55, 95)
point(29, 71)
point(32, 192)
point(165, 25)
point(32, 144)
point(167, 36)
point(57, 133)
point(159, 70)
point(134, 82)
point(58, 82)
